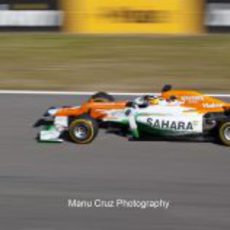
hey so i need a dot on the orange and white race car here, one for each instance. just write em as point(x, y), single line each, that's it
point(172, 113)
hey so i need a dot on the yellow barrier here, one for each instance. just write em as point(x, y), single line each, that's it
point(134, 16)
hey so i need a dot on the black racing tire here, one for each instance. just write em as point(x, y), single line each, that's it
point(83, 129)
point(102, 97)
point(224, 133)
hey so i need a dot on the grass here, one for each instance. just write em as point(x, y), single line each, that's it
point(93, 63)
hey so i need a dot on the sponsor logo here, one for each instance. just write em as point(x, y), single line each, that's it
point(192, 98)
point(212, 106)
point(136, 16)
point(170, 125)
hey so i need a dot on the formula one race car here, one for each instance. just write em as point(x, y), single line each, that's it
point(173, 113)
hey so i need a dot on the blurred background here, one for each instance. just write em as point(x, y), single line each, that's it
point(115, 45)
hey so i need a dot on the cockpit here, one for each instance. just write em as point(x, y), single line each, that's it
point(152, 100)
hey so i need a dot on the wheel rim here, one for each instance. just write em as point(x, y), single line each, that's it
point(227, 133)
point(81, 132)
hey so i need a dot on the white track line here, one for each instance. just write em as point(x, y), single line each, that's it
point(73, 93)
point(67, 93)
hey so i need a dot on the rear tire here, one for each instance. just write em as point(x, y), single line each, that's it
point(102, 97)
point(83, 130)
point(224, 133)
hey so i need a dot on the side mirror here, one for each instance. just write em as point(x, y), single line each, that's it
point(130, 104)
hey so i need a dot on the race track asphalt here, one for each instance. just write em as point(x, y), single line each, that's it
point(36, 180)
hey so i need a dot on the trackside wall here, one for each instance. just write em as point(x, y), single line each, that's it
point(134, 16)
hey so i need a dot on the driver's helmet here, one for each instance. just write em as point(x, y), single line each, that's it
point(153, 100)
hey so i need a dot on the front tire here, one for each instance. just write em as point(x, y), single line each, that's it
point(224, 133)
point(83, 130)
point(102, 97)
